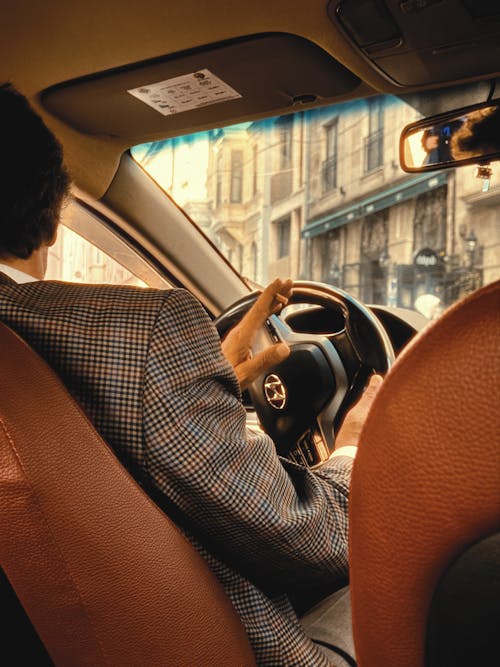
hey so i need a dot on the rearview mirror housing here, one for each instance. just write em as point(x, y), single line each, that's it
point(470, 135)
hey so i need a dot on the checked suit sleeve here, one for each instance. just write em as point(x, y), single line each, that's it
point(273, 520)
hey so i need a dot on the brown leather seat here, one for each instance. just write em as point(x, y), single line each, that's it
point(426, 483)
point(104, 576)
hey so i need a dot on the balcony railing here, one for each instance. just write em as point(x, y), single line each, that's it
point(374, 150)
point(329, 174)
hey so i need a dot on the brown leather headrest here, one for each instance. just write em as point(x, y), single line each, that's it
point(426, 482)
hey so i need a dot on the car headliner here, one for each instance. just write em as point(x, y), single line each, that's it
point(45, 44)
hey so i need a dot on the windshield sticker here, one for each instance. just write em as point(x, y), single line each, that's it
point(186, 92)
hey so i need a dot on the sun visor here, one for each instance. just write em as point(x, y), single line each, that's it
point(258, 75)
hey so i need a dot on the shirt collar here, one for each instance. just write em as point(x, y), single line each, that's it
point(16, 275)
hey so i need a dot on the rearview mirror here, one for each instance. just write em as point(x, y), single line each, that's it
point(470, 135)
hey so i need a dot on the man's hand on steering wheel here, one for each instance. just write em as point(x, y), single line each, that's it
point(237, 344)
point(350, 430)
point(302, 391)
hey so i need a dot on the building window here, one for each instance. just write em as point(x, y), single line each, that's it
point(240, 257)
point(429, 223)
point(255, 168)
point(218, 192)
point(254, 260)
point(285, 128)
point(374, 142)
point(283, 237)
point(236, 176)
point(374, 254)
point(330, 257)
point(373, 282)
point(329, 166)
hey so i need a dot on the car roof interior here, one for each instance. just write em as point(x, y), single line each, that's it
point(76, 61)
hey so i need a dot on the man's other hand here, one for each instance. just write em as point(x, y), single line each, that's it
point(353, 422)
point(237, 344)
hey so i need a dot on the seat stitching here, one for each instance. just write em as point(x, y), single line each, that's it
point(62, 561)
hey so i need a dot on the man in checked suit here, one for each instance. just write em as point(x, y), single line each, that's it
point(147, 367)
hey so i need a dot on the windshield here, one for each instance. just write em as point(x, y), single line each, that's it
point(319, 195)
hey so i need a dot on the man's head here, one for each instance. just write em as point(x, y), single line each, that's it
point(35, 181)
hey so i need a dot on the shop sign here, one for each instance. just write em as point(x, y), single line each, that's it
point(427, 258)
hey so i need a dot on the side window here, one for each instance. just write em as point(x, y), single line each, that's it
point(76, 260)
point(88, 252)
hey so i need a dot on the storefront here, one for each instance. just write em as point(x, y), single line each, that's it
point(387, 248)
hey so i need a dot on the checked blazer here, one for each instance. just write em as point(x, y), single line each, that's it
point(146, 365)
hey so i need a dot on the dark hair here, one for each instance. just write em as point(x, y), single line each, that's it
point(34, 182)
point(481, 133)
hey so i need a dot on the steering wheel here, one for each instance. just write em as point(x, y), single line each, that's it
point(302, 401)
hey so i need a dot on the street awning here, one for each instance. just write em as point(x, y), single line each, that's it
point(394, 195)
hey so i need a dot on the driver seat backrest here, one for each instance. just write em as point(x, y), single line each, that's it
point(104, 576)
point(425, 498)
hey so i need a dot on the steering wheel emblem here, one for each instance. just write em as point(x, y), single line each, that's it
point(275, 392)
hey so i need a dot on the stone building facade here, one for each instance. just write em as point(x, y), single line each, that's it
point(320, 195)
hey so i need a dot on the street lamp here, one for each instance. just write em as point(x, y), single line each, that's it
point(385, 259)
point(470, 242)
point(472, 274)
